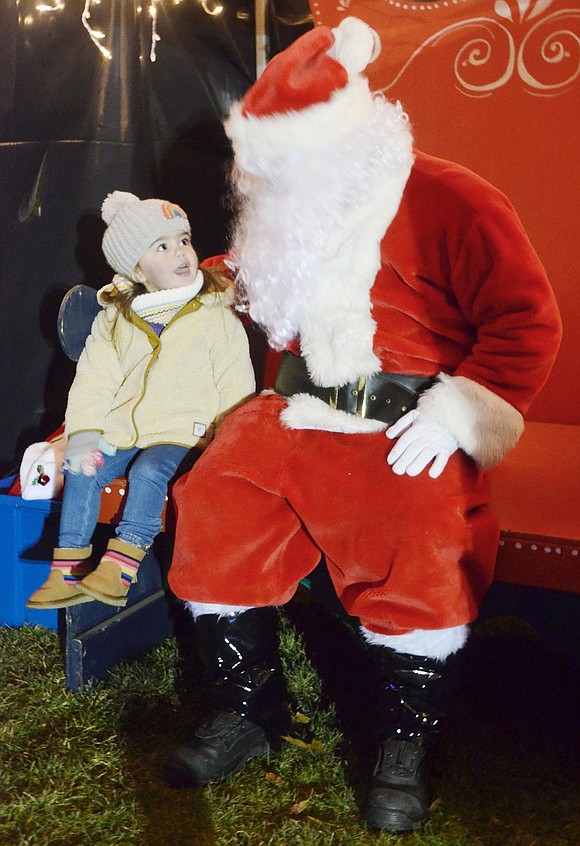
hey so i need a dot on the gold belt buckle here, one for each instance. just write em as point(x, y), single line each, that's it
point(361, 397)
point(333, 398)
point(360, 394)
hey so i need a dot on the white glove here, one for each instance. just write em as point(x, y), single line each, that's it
point(84, 453)
point(420, 440)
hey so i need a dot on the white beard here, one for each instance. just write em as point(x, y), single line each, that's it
point(306, 241)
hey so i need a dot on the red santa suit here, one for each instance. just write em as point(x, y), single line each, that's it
point(420, 268)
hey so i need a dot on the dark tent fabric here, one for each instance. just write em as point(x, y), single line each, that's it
point(74, 126)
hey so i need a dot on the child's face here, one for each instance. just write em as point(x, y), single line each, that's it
point(170, 262)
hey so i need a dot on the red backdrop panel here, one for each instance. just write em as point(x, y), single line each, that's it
point(494, 85)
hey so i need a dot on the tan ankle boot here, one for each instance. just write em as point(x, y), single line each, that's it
point(117, 571)
point(68, 567)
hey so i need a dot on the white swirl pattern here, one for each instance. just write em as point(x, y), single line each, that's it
point(544, 56)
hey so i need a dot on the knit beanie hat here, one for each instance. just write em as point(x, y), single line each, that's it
point(134, 224)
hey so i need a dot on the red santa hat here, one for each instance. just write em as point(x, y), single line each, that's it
point(311, 92)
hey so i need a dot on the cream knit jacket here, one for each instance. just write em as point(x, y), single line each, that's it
point(139, 389)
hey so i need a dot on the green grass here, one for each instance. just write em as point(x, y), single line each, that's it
point(85, 768)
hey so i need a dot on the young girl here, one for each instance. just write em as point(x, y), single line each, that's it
point(165, 361)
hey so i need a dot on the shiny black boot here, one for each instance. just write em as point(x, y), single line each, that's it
point(245, 693)
point(413, 698)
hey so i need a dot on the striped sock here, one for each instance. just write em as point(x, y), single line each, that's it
point(128, 564)
point(73, 570)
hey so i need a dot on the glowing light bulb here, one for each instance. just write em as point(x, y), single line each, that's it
point(215, 10)
point(56, 6)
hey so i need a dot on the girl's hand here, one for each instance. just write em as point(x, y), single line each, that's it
point(85, 453)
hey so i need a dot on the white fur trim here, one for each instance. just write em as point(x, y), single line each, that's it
point(254, 138)
point(337, 343)
point(307, 412)
point(198, 609)
point(430, 643)
point(484, 424)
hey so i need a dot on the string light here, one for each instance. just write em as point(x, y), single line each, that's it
point(46, 7)
point(154, 37)
point(97, 36)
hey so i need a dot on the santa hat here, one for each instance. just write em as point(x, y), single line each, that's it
point(311, 93)
point(321, 164)
point(134, 224)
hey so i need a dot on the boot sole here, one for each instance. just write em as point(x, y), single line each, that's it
point(392, 821)
point(117, 601)
point(63, 603)
point(388, 817)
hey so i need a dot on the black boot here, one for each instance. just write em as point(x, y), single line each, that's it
point(413, 698)
point(246, 695)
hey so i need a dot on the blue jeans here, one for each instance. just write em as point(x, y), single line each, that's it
point(148, 472)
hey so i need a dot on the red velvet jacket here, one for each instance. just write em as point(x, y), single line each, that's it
point(461, 289)
point(461, 294)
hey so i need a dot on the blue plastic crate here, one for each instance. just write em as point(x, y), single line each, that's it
point(28, 533)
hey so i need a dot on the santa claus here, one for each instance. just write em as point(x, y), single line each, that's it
point(418, 325)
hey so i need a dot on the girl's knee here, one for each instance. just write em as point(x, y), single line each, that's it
point(156, 465)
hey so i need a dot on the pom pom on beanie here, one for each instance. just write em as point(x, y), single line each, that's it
point(114, 202)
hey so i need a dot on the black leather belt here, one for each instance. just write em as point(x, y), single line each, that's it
point(384, 396)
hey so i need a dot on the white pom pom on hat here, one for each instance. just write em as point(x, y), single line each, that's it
point(134, 224)
point(355, 46)
point(115, 202)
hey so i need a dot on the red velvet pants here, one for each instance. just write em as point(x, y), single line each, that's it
point(263, 502)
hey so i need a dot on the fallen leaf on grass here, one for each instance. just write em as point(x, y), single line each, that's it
point(298, 807)
point(315, 746)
